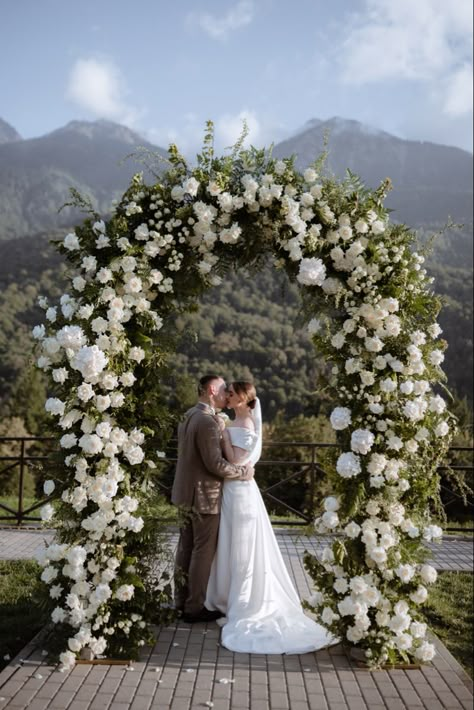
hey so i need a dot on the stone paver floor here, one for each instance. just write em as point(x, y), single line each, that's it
point(454, 553)
point(187, 669)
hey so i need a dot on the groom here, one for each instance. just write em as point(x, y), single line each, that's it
point(197, 486)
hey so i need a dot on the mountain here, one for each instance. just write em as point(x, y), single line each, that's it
point(7, 133)
point(36, 174)
point(431, 182)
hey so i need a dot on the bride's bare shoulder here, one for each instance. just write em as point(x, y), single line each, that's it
point(248, 423)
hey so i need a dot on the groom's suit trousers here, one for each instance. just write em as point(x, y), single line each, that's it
point(196, 548)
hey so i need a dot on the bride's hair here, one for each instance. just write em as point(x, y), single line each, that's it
point(247, 390)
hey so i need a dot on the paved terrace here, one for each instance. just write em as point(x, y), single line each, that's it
point(186, 668)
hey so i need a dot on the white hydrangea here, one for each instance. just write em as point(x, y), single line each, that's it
point(348, 465)
point(362, 441)
point(312, 272)
point(90, 361)
point(428, 574)
point(340, 418)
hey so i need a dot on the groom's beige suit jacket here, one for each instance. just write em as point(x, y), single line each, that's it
point(201, 468)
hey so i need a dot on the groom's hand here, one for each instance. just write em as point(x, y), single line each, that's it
point(248, 474)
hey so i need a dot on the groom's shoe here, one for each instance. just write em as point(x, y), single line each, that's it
point(202, 616)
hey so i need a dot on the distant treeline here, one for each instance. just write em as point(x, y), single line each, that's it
point(249, 327)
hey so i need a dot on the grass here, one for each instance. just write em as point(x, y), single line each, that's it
point(449, 613)
point(20, 615)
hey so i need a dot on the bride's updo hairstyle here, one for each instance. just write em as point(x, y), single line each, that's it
point(247, 391)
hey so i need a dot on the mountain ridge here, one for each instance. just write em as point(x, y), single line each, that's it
point(432, 182)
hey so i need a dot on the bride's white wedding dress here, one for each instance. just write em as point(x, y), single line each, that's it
point(249, 582)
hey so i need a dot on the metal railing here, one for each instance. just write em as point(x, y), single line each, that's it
point(305, 472)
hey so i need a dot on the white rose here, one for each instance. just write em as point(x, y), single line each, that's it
point(49, 574)
point(316, 599)
point(331, 286)
point(191, 186)
point(38, 332)
point(330, 519)
point(125, 592)
point(68, 441)
point(425, 652)
point(415, 409)
point(54, 406)
point(328, 616)
point(367, 378)
point(136, 354)
point(48, 487)
point(405, 572)
point(340, 585)
point(177, 193)
point(418, 629)
point(378, 227)
point(85, 392)
point(71, 242)
point(134, 455)
point(377, 464)
point(46, 512)
point(388, 385)
point(91, 444)
point(361, 226)
point(338, 340)
point(331, 504)
point(378, 555)
point(442, 429)
point(403, 642)
point(102, 402)
point(374, 345)
point(437, 404)
point(127, 379)
point(428, 574)
point(435, 330)
point(310, 175)
point(352, 530)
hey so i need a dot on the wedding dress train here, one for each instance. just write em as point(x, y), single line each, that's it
point(249, 581)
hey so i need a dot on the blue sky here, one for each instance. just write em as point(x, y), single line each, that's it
point(163, 68)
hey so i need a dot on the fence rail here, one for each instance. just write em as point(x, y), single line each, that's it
point(307, 471)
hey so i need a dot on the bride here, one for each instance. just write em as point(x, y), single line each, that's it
point(249, 582)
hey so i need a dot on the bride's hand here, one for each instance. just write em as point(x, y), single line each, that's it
point(220, 422)
point(249, 473)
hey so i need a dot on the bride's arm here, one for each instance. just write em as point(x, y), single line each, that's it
point(227, 448)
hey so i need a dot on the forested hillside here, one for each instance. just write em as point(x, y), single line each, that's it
point(247, 327)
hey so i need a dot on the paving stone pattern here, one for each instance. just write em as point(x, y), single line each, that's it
point(454, 553)
point(186, 668)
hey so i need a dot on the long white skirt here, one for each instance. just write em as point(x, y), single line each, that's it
point(250, 584)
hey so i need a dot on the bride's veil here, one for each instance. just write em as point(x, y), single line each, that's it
point(256, 452)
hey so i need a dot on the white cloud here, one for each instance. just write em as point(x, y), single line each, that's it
point(219, 27)
point(459, 92)
point(229, 129)
point(427, 41)
point(97, 86)
point(188, 132)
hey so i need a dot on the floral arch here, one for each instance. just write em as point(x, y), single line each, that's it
point(371, 313)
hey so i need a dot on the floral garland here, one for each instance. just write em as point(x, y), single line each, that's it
point(162, 247)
